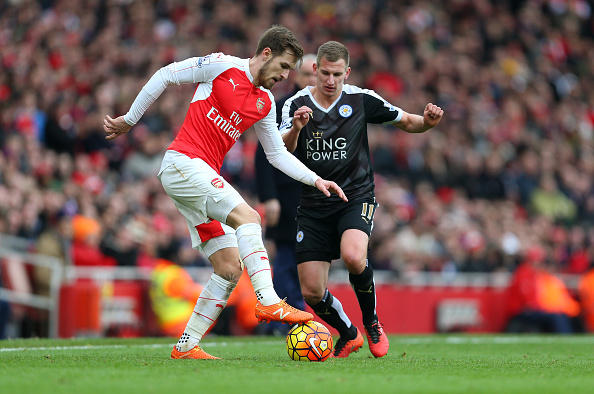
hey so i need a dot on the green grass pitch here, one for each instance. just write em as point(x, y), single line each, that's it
point(426, 364)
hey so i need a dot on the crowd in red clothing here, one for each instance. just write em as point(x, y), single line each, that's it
point(510, 165)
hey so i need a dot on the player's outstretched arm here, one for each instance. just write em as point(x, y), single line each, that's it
point(419, 124)
point(191, 70)
point(328, 187)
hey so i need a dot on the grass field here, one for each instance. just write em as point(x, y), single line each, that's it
point(435, 363)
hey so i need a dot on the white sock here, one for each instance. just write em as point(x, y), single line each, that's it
point(209, 306)
point(255, 259)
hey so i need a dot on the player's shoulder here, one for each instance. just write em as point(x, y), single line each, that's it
point(305, 92)
point(220, 57)
point(220, 61)
point(352, 89)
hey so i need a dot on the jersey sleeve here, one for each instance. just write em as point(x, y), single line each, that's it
point(287, 112)
point(192, 70)
point(378, 110)
point(276, 152)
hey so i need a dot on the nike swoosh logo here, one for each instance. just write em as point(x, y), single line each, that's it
point(312, 343)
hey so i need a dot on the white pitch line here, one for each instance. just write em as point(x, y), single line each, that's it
point(500, 340)
point(154, 346)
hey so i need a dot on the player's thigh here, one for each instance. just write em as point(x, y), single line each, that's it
point(313, 277)
point(355, 225)
point(207, 235)
point(317, 238)
point(353, 249)
point(195, 185)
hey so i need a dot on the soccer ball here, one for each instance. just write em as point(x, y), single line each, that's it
point(309, 341)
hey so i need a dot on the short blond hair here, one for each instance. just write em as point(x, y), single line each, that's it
point(333, 51)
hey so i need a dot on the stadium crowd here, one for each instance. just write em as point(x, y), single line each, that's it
point(510, 167)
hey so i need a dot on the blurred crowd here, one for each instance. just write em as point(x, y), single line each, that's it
point(510, 167)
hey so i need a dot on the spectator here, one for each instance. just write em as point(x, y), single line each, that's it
point(518, 93)
point(86, 241)
point(173, 294)
point(538, 301)
point(549, 201)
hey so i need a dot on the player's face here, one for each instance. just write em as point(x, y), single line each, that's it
point(331, 76)
point(275, 69)
point(305, 74)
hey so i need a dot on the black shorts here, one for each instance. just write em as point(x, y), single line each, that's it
point(319, 232)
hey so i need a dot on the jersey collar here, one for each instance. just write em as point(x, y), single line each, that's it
point(246, 65)
point(307, 89)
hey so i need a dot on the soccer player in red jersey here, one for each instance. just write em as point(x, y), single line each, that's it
point(232, 96)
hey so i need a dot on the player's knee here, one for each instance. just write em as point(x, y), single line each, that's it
point(230, 272)
point(312, 296)
point(354, 260)
point(254, 217)
point(243, 214)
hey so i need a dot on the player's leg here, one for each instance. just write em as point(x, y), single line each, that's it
point(246, 222)
point(353, 247)
point(230, 208)
point(214, 296)
point(196, 187)
point(356, 223)
point(313, 276)
point(318, 244)
point(181, 181)
point(219, 244)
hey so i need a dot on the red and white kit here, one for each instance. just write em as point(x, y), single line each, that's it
point(224, 106)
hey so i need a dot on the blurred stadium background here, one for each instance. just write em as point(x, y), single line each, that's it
point(506, 177)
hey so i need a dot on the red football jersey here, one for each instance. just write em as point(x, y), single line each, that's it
point(224, 106)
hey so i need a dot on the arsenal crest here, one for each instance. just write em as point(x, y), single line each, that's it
point(260, 104)
point(218, 183)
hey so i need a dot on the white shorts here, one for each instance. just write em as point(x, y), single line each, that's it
point(203, 197)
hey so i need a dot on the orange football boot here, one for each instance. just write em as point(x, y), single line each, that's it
point(378, 341)
point(345, 347)
point(196, 353)
point(281, 312)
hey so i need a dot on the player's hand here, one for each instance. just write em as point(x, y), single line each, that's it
point(272, 211)
point(432, 115)
point(328, 186)
point(301, 117)
point(115, 127)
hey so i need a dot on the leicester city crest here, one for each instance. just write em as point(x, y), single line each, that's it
point(345, 110)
